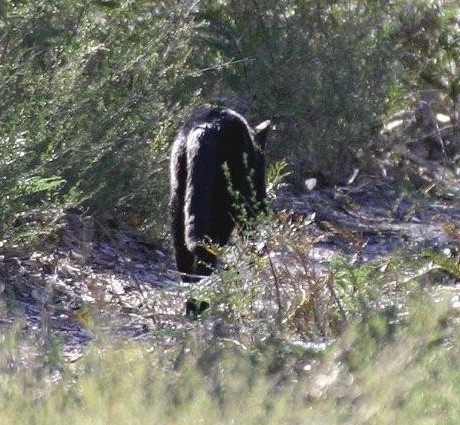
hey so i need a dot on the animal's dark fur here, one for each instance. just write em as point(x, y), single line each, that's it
point(203, 207)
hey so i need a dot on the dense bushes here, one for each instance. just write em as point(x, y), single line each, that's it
point(330, 72)
point(320, 70)
point(89, 97)
point(92, 91)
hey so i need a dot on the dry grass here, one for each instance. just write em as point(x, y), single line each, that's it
point(369, 376)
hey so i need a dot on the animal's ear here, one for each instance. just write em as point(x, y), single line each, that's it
point(260, 133)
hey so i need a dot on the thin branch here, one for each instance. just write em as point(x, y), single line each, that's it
point(277, 290)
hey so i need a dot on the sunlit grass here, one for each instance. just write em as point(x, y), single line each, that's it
point(373, 374)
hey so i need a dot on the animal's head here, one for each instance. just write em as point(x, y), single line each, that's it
point(260, 134)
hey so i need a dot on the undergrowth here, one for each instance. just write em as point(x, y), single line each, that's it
point(287, 339)
point(273, 280)
point(370, 375)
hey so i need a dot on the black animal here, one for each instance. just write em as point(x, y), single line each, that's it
point(217, 172)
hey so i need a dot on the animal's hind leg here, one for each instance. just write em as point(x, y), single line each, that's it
point(184, 258)
point(185, 261)
point(201, 175)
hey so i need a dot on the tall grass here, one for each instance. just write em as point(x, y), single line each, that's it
point(369, 376)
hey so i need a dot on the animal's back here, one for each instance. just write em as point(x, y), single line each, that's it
point(217, 120)
point(203, 201)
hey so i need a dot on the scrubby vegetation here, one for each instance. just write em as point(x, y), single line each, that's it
point(373, 376)
point(92, 93)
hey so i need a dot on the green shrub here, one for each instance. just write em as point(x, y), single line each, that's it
point(426, 42)
point(90, 99)
point(320, 70)
point(328, 73)
point(92, 92)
